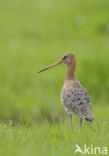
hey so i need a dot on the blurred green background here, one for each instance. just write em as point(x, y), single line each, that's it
point(36, 33)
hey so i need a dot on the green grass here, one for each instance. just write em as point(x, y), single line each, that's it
point(52, 139)
point(34, 34)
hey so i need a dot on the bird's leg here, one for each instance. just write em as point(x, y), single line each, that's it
point(80, 122)
point(69, 118)
point(70, 115)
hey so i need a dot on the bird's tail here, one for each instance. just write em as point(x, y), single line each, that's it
point(89, 119)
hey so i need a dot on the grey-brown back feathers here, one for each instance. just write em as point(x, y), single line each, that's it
point(75, 99)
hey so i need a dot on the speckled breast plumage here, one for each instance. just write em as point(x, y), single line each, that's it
point(75, 99)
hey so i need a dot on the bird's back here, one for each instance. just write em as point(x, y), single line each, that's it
point(75, 99)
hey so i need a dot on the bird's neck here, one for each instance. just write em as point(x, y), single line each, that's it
point(70, 73)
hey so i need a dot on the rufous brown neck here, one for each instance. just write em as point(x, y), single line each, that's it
point(70, 73)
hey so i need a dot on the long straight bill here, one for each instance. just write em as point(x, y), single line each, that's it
point(59, 62)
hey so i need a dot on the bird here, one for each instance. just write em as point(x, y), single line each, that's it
point(74, 96)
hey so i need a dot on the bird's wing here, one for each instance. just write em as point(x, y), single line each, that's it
point(82, 102)
point(76, 99)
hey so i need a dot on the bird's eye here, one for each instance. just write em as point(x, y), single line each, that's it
point(64, 57)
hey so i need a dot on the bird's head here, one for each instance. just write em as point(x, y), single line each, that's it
point(68, 58)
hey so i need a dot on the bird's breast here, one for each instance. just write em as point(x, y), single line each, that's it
point(66, 96)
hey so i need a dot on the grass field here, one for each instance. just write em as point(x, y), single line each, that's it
point(34, 34)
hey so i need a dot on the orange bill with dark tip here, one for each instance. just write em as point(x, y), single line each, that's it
point(53, 65)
